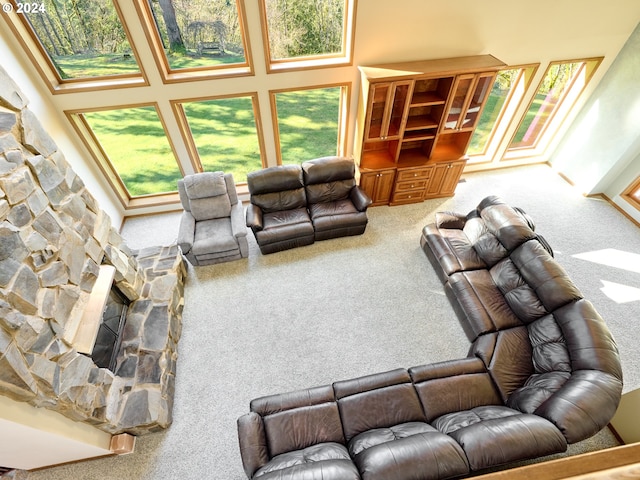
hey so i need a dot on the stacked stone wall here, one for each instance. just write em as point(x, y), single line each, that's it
point(53, 239)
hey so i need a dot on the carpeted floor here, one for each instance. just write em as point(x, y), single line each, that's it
point(348, 307)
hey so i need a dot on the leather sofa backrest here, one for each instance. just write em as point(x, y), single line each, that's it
point(278, 188)
point(312, 414)
point(208, 195)
point(507, 224)
point(453, 386)
point(508, 357)
point(377, 401)
point(545, 276)
point(589, 342)
point(328, 179)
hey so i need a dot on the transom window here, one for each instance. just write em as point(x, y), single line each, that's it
point(79, 41)
point(196, 38)
point(307, 33)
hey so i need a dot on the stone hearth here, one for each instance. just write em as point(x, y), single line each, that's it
point(53, 238)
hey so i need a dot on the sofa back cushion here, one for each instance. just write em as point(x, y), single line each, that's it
point(590, 344)
point(454, 386)
point(507, 224)
point(380, 400)
point(296, 420)
point(519, 295)
point(485, 244)
point(279, 188)
point(206, 195)
point(508, 357)
point(544, 275)
point(328, 179)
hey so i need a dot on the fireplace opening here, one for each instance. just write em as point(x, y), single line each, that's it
point(107, 344)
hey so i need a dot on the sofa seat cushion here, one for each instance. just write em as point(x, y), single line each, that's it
point(324, 461)
point(338, 214)
point(214, 235)
point(412, 450)
point(285, 224)
point(495, 435)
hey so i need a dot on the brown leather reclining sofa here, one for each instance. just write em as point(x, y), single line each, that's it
point(295, 205)
point(542, 372)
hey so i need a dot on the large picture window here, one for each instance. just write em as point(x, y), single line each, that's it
point(132, 146)
point(224, 134)
point(308, 122)
point(307, 33)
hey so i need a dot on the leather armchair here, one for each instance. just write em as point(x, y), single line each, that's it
point(338, 207)
point(277, 214)
point(212, 228)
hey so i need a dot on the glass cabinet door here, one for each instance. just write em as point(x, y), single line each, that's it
point(377, 110)
point(387, 104)
point(470, 93)
point(398, 105)
point(455, 113)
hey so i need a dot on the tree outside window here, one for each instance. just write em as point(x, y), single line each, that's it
point(199, 33)
point(83, 38)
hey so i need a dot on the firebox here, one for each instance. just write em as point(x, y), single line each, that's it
point(105, 349)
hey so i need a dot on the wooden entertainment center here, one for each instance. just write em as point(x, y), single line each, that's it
point(415, 122)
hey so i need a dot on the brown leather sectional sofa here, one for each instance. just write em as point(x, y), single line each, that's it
point(542, 372)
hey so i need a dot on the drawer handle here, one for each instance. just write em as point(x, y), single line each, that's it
point(415, 174)
point(412, 185)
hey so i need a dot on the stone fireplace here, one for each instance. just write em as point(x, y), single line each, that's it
point(54, 238)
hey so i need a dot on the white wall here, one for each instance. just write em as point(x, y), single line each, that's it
point(33, 437)
point(601, 151)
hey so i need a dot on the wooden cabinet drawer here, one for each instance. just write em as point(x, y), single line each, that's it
point(414, 174)
point(407, 197)
point(412, 185)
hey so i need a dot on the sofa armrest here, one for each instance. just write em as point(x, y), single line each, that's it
point(253, 442)
point(450, 220)
point(238, 227)
point(186, 232)
point(584, 405)
point(254, 217)
point(360, 199)
point(454, 386)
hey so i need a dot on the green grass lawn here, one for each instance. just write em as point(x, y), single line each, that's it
point(136, 144)
point(98, 65)
point(308, 123)
point(225, 134)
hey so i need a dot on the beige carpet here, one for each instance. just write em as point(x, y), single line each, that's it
point(348, 307)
